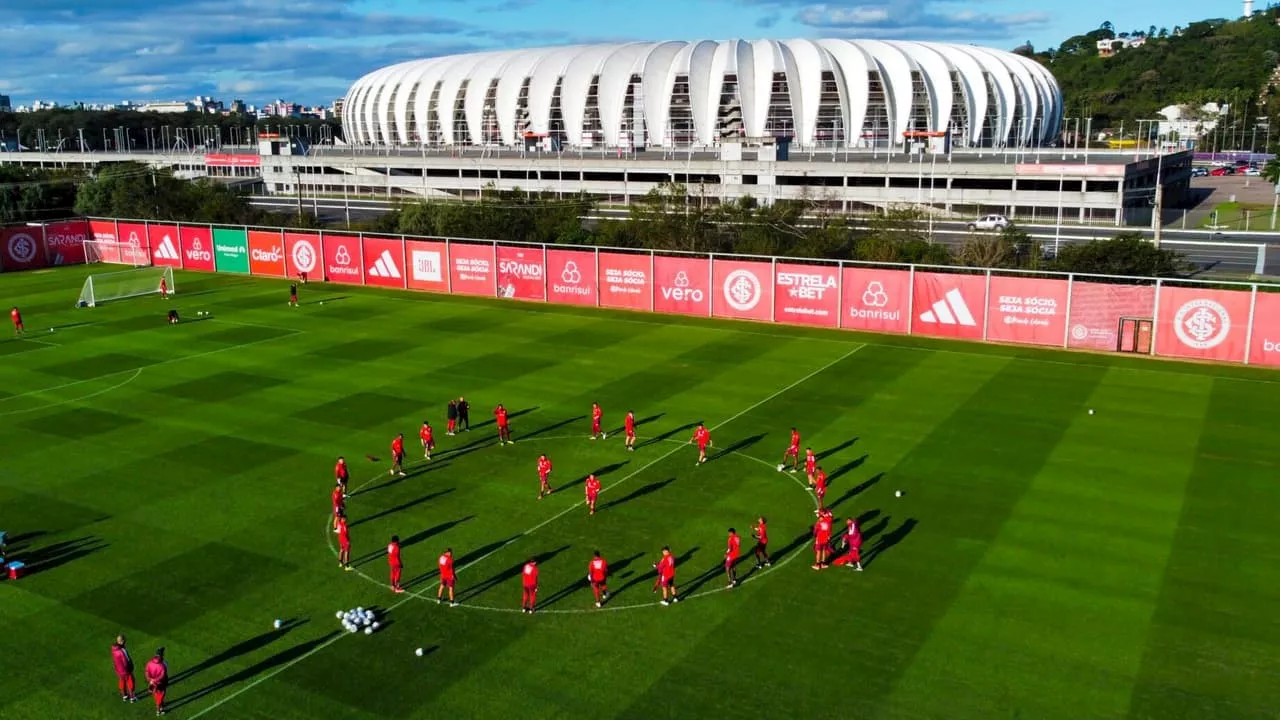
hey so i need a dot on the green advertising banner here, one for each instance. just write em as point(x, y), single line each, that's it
point(231, 251)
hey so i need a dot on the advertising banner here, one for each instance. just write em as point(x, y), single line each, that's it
point(343, 262)
point(471, 269)
point(23, 248)
point(266, 253)
point(682, 285)
point(571, 277)
point(166, 249)
point(1032, 311)
point(743, 289)
point(231, 250)
point(1096, 309)
point(105, 236)
point(876, 300)
point(196, 242)
point(427, 266)
point(1203, 324)
point(949, 305)
point(302, 252)
point(624, 281)
point(384, 262)
point(64, 242)
point(807, 294)
point(135, 248)
point(521, 273)
point(1265, 344)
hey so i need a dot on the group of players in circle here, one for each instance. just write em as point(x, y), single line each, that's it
point(825, 553)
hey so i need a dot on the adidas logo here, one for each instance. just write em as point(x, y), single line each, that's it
point(950, 310)
point(167, 251)
point(385, 267)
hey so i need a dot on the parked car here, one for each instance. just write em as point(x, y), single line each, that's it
point(1220, 171)
point(1199, 172)
point(989, 222)
point(1253, 172)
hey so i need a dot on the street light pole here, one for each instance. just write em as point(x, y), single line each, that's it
point(1159, 199)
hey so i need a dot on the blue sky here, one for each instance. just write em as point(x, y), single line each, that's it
point(312, 50)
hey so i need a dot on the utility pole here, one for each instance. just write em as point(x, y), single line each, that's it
point(1159, 200)
point(297, 177)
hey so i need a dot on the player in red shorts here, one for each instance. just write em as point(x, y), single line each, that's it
point(124, 669)
point(452, 414)
point(397, 456)
point(820, 487)
point(344, 541)
point(731, 557)
point(339, 504)
point(342, 474)
point(593, 491)
point(810, 465)
point(544, 476)
point(504, 425)
point(821, 541)
point(761, 533)
point(529, 587)
point(393, 562)
point(597, 418)
point(793, 452)
point(428, 437)
point(852, 556)
point(16, 316)
point(157, 674)
point(701, 436)
point(598, 576)
point(447, 576)
point(629, 426)
point(164, 288)
point(666, 569)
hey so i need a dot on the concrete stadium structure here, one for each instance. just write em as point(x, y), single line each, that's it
point(816, 93)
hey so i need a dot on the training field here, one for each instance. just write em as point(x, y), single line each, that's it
point(172, 483)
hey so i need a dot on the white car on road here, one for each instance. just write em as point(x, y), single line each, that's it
point(990, 222)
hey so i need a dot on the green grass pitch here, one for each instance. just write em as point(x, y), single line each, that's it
point(172, 483)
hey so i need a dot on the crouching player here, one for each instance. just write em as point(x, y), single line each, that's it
point(852, 546)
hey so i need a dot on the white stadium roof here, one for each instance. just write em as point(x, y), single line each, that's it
point(697, 93)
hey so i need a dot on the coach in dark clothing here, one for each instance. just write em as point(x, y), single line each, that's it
point(464, 414)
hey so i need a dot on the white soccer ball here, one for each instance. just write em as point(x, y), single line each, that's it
point(897, 493)
point(780, 467)
point(1090, 411)
point(375, 625)
point(277, 624)
point(418, 652)
point(368, 631)
point(352, 629)
point(359, 611)
point(340, 615)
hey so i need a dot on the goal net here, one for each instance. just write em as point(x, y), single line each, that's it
point(116, 253)
point(105, 287)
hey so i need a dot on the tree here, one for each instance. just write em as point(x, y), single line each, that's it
point(29, 194)
point(1271, 171)
point(1124, 254)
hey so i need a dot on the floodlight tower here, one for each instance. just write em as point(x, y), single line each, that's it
point(1248, 9)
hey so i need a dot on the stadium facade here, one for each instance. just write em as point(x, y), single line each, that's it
point(817, 93)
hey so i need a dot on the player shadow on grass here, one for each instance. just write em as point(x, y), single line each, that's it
point(508, 574)
point(823, 455)
point(281, 658)
point(643, 421)
point(510, 416)
point(412, 540)
point(583, 584)
point(326, 299)
point(411, 471)
point(856, 490)
point(640, 492)
point(889, 540)
point(652, 575)
point(553, 426)
point(739, 446)
point(462, 562)
point(244, 647)
point(667, 435)
point(598, 472)
point(58, 554)
point(403, 506)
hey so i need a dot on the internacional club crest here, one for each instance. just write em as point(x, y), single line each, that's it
point(1202, 324)
point(304, 257)
point(22, 248)
point(742, 290)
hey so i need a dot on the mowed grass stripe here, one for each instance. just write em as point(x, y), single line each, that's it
point(1213, 644)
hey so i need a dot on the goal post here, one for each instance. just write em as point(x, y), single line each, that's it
point(122, 284)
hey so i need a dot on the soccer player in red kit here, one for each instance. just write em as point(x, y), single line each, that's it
point(597, 417)
point(761, 533)
point(293, 295)
point(666, 568)
point(793, 452)
point(630, 427)
point(702, 436)
point(529, 582)
point(447, 576)
point(397, 456)
point(598, 576)
point(342, 474)
point(731, 557)
point(16, 316)
point(157, 674)
point(164, 288)
point(124, 669)
point(593, 492)
point(393, 561)
point(852, 546)
point(427, 435)
point(344, 541)
point(544, 475)
point(339, 504)
point(504, 425)
point(820, 487)
point(821, 541)
point(810, 465)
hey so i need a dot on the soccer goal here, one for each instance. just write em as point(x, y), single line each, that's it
point(116, 253)
point(104, 287)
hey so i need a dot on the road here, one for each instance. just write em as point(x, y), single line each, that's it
point(1236, 252)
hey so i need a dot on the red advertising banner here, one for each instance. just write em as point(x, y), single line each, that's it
point(807, 294)
point(302, 252)
point(166, 247)
point(426, 264)
point(949, 305)
point(228, 160)
point(521, 273)
point(135, 248)
point(64, 242)
point(23, 248)
point(343, 262)
point(1032, 311)
point(743, 290)
point(624, 281)
point(682, 285)
point(471, 269)
point(876, 300)
point(197, 247)
point(384, 262)
point(571, 277)
point(266, 253)
point(1202, 324)
point(1096, 309)
point(1265, 345)
point(104, 236)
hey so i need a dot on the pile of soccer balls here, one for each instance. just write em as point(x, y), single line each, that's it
point(353, 621)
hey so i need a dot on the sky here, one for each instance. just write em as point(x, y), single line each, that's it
point(311, 51)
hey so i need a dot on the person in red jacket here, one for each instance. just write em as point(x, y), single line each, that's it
point(124, 669)
point(157, 673)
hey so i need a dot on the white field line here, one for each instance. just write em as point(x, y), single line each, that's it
point(94, 394)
